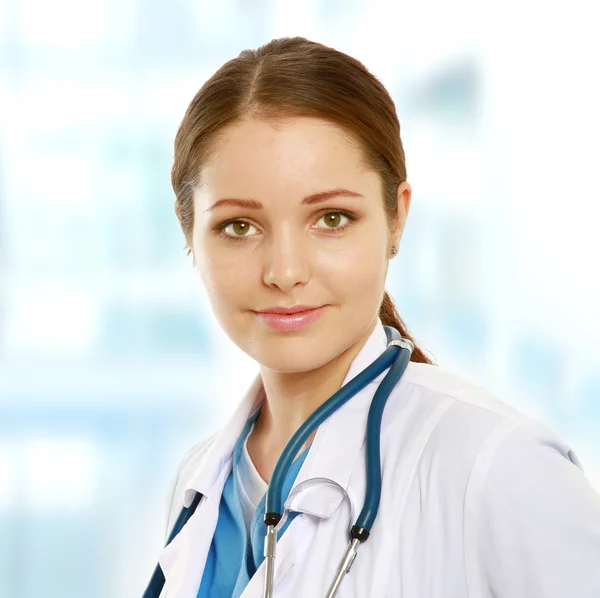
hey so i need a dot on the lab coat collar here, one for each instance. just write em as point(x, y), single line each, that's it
point(335, 447)
point(319, 489)
point(333, 453)
point(182, 561)
point(219, 455)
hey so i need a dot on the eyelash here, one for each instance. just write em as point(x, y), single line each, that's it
point(340, 229)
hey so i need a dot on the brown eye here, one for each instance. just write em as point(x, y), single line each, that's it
point(238, 228)
point(333, 220)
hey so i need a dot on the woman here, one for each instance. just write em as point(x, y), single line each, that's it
point(291, 191)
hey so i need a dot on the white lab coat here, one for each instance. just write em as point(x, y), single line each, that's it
point(478, 501)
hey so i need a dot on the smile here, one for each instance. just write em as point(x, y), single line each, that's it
point(290, 321)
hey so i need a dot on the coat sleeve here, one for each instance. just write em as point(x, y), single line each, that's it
point(532, 519)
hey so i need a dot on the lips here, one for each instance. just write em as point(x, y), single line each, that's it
point(287, 319)
point(288, 310)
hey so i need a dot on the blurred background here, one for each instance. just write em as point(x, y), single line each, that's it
point(111, 364)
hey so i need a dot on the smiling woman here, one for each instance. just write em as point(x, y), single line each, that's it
point(316, 234)
point(291, 190)
point(263, 100)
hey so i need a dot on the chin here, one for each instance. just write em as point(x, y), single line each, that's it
point(287, 354)
point(295, 355)
point(293, 364)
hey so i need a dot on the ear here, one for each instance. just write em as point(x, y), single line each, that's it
point(404, 194)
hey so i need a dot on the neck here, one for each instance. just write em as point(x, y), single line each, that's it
point(290, 399)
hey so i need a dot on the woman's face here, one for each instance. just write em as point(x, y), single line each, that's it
point(288, 215)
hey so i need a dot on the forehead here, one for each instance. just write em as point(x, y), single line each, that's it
point(293, 152)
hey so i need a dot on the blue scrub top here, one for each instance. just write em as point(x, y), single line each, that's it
point(233, 557)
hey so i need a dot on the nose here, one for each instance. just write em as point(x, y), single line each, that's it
point(286, 262)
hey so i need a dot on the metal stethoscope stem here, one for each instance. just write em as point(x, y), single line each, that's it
point(396, 357)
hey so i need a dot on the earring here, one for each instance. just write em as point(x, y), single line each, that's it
point(393, 250)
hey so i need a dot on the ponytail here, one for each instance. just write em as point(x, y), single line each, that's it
point(389, 316)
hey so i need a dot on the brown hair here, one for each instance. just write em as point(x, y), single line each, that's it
point(295, 77)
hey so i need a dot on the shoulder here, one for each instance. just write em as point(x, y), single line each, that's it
point(189, 464)
point(462, 403)
point(531, 517)
point(466, 427)
point(436, 384)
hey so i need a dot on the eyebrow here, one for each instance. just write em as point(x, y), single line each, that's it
point(310, 200)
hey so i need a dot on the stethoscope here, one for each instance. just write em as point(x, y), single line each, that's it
point(396, 357)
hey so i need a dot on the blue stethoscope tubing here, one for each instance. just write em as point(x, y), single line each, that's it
point(396, 357)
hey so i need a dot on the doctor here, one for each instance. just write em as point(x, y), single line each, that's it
point(291, 191)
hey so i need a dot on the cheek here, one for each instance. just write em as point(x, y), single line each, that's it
point(224, 275)
point(358, 269)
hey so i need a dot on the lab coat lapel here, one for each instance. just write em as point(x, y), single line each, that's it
point(291, 548)
point(183, 560)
